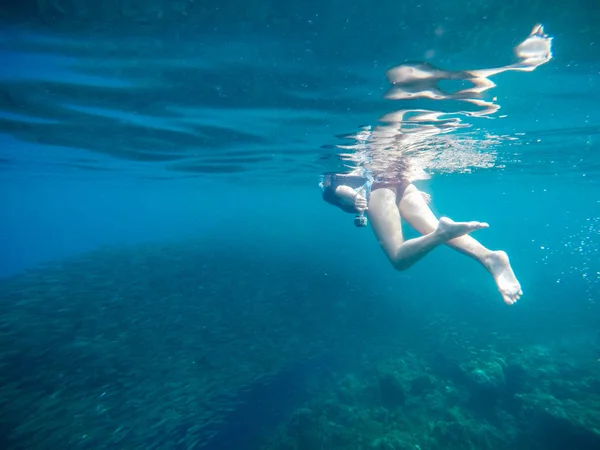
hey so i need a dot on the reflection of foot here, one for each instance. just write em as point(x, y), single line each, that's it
point(426, 197)
point(508, 285)
point(449, 229)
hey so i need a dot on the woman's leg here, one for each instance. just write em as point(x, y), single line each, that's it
point(416, 212)
point(385, 220)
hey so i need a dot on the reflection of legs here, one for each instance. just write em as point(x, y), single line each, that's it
point(416, 212)
point(385, 220)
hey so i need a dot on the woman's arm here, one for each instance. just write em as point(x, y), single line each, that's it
point(345, 198)
point(346, 194)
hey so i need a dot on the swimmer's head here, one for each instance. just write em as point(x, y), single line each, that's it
point(325, 182)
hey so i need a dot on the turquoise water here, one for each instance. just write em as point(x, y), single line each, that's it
point(171, 277)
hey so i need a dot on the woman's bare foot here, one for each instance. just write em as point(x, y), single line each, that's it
point(448, 229)
point(499, 266)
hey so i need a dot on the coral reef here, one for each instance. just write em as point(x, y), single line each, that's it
point(528, 399)
point(152, 347)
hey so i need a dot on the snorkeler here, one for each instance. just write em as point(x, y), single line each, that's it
point(390, 201)
point(388, 196)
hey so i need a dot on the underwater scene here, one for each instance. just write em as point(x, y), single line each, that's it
point(317, 225)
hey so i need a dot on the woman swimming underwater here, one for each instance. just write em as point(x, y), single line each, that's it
point(392, 200)
point(388, 196)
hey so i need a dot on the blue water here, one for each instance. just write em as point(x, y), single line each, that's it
point(193, 135)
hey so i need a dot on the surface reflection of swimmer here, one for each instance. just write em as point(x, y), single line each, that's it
point(413, 81)
point(387, 201)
